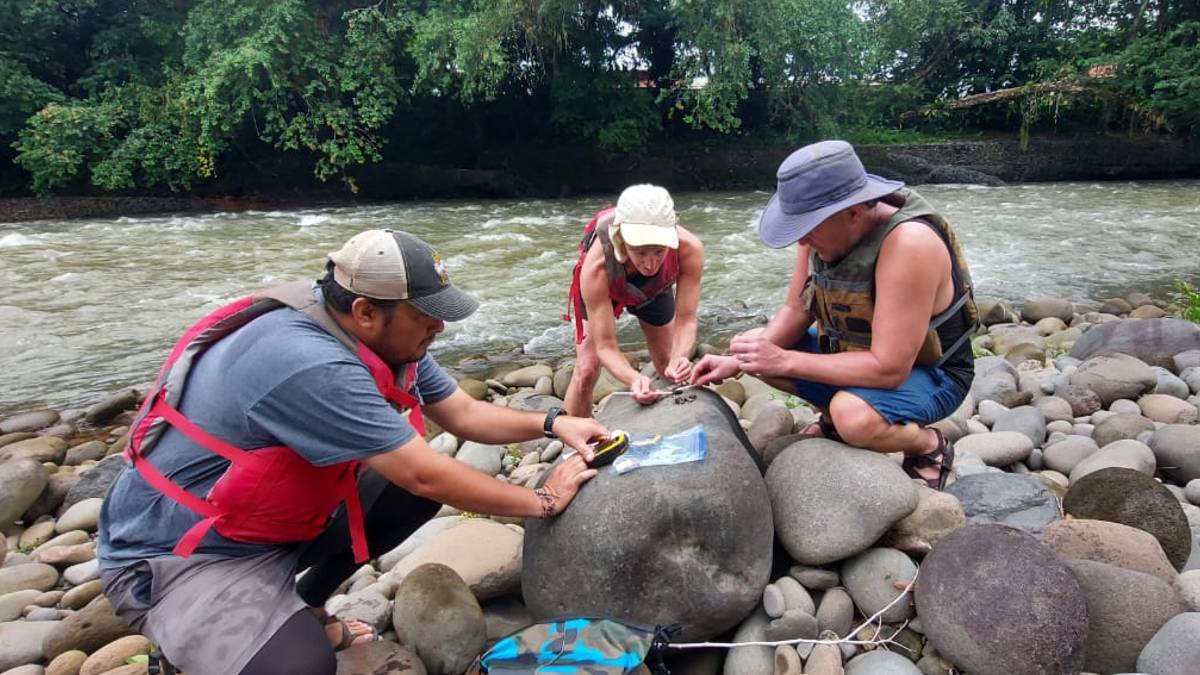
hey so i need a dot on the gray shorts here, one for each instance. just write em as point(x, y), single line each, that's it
point(210, 614)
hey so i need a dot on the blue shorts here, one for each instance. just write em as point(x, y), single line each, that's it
point(927, 396)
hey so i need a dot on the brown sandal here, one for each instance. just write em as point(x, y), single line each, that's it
point(942, 457)
point(348, 636)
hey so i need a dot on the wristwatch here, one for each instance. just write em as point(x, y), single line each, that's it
point(548, 425)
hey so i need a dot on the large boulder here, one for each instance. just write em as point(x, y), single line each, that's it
point(1036, 310)
point(688, 543)
point(21, 482)
point(1114, 377)
point(485, 553)
point(1155, 341)
point(832, 501)
point(1175, 648)
point(996, 602)
point(86, 630)
point(95, 481)
point(1132, 498)
point(436, 615)
point(1124, 610)
point(1128, 454)
point(1109, 543)
point(1177, 449)
point(996, 380)
point(1015, 500)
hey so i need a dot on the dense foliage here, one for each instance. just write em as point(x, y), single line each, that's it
point(144, 93)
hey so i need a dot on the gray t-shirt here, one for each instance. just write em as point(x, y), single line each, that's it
point(279, 380)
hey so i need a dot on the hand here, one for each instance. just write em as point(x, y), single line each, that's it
point(563, 483)
point(758, 356)
point(576, 432)
point(713, 368)
point(643, 390)
point(679, 369)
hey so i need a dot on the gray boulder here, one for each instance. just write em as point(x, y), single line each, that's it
point(996, 380)
point(998, 448)
point(1024, 419)
point(21, 482)
point(699, 534)
point(881, 662)
point(95, 481)
point(1018, 501)
point(1115, 376)
point(1070, 451)
point(437, 616)
point(871, 578)
point(33, 420)
point(1170, 384)
point(481, 456)
point(986, 589)
point(1154, 341)
point(111, 406)
point(39, 449)
point(1132, 498)
point(1177, 450)
point(750, 660)
point(1175, 648)
point(1128, 454)
point(1120, 426)
point(1083, 401)
point(1036, 310)
point(832, 501)
point(21, 642)
point(1124, 610)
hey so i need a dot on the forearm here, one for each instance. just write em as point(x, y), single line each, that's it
point(788, 326)
point(616, 363)
point(845, 369)
point(495, 425)
point(451, 482)
point(684, 341)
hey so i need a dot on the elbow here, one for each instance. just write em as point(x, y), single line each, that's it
point(893, 377)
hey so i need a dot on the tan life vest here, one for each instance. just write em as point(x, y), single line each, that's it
point(841, 295)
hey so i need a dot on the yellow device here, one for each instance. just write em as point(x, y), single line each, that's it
point(609, 448)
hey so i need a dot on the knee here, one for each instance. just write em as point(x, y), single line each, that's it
point(855, 420)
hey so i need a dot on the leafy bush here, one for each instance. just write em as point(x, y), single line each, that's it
point(1188, 299)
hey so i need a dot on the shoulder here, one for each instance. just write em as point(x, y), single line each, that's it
point(689, 244)
point(285, 341)
point(913, 238)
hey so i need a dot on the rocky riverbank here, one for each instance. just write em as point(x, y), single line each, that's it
point(559, 171)
point(1068, 541)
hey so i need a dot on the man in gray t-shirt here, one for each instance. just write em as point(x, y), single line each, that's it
point(285, 379)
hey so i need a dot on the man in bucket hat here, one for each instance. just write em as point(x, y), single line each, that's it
point(876, 327)
point(272, 444)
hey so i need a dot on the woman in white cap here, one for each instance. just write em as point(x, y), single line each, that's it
point(633, 256)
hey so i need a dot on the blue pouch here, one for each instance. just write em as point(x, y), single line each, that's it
point(689, 445)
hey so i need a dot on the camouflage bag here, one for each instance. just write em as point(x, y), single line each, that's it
point(573, 647)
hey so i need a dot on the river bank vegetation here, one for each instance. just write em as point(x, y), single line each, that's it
point(100, 95)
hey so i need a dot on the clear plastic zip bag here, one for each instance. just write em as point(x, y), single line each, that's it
point(689, 445)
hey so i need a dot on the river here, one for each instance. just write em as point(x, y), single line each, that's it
point(90, 306)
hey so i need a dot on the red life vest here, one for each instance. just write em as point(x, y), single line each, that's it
point(623, 292)
point(271, 495)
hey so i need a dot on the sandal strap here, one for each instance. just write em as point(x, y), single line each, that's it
point(931, 459)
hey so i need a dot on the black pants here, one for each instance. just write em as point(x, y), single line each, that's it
point(300, 647)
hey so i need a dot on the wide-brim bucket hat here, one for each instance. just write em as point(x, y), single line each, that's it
point(814, 183)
